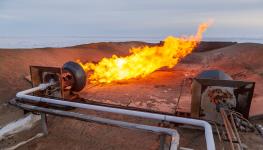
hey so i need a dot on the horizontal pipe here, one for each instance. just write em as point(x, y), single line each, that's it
point(201, 123)
point(173, 133)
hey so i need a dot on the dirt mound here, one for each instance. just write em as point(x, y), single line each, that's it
point(211, 45)
point(158, 90)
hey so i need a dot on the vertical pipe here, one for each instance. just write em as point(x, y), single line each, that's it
point(44, 123)
point(162, 141)
point(229, 134)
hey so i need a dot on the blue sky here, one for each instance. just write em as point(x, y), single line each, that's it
point(137, 18)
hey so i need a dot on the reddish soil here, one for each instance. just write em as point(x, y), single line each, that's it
point(158, 91)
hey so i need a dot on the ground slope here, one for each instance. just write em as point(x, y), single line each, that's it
point(158, 91)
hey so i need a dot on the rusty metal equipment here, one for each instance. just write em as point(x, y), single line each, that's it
point(214, 89)
point(70, 78)
point(218, 98)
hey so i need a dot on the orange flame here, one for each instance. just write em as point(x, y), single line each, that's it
point(144, 60)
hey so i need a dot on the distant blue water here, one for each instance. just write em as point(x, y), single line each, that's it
point(56, 41)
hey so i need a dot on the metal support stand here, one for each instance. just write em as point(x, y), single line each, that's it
point(44, 123)
point(162, 141)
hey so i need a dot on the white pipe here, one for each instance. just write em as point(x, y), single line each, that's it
point(18, 126)
point(201, 123)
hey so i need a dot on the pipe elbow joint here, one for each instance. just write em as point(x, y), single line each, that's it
point(19, 94)
point(207, 125)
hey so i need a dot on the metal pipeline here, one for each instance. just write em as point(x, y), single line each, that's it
point(201, 123)
point(83, 117)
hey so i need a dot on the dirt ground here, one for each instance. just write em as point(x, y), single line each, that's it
point(158, 91)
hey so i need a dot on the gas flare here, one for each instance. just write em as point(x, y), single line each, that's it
point(143, 60)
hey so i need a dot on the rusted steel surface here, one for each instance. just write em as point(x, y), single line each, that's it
point(243, 92)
